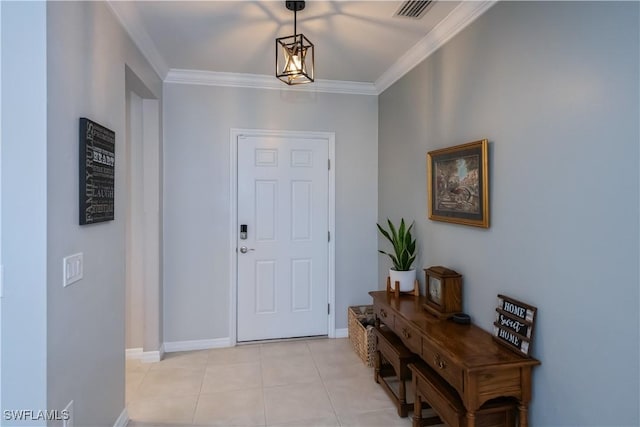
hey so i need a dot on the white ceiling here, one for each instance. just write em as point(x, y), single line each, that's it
point(355, 41)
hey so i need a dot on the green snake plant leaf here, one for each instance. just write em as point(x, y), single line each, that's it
point(385, 234)
point(404, 245)
point(394, 236)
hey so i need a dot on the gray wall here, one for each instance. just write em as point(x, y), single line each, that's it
point(196, 196)
point(87, 53)
point(24, 202)
point(554, 87)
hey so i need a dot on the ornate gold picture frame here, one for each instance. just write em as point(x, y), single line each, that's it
point(458, 184)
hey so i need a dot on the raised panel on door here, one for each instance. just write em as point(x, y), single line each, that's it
point(265, 289)
point(301, 210)
point(301, 284)
point(266, 209)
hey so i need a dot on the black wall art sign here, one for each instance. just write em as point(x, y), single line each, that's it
point(97, 172)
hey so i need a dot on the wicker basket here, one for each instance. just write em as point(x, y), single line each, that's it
point(362, 339)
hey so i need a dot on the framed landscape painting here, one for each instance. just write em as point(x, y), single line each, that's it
point(458, 184)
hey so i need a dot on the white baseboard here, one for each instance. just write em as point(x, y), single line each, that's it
point(123, 419)
point(342, 333)
point(144, 356)
point(171, 347)
point(133, 353)
point(151, 356)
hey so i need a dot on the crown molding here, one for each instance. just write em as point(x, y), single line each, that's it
point(456, 21)
point(125, 12)
point(262, 81)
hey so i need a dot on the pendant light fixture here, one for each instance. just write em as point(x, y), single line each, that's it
point(294, 54)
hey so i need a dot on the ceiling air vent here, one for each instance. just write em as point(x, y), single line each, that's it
point(413, 9)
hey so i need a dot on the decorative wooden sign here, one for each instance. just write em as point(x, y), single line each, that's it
point(97, 172)
point(514, 323)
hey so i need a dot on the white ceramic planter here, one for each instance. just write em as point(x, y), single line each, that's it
point(406, 279)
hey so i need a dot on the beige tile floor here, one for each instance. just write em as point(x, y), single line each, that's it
point(312, 383)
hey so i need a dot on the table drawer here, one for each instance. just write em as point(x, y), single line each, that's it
point(384, 314)
point(409, 334)
point(394, 351)
point(443, 365)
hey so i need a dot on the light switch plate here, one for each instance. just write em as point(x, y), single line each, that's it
point(72, 267)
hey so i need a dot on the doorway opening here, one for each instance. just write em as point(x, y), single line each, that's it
point(143, 330)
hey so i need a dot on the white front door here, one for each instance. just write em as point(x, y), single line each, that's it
point(283, 196)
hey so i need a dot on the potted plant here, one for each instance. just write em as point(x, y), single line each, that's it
point(404, 253)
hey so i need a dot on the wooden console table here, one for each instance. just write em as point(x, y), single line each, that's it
point(464, 356)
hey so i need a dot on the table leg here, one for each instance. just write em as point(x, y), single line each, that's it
point(471, 418)
point(402, 391)
point(522, 408)
point(377, 365)
point(417, 411)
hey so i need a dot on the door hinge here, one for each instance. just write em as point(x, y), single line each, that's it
point(329, 164)
point(328, 236)
point(328, 308)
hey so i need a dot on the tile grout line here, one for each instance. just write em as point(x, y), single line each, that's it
point(204, 374)
point(264, 395)
point(326, 390)
point(144, 375)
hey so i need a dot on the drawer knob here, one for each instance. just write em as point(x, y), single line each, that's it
point(439, 362)
point(383, 313)
point(406, 333)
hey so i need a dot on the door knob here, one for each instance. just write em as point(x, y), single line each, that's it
point(244, 249)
